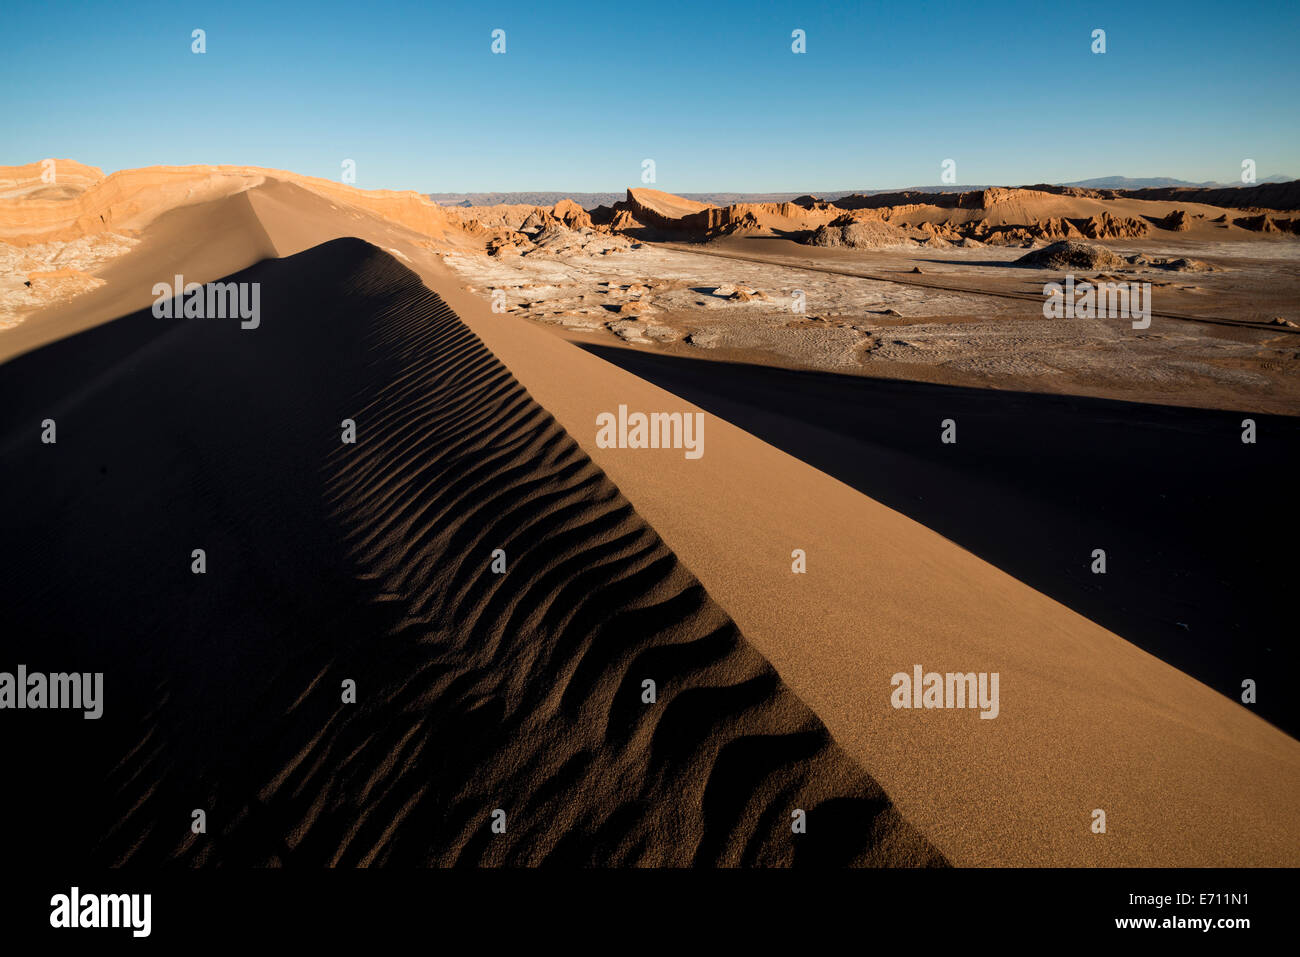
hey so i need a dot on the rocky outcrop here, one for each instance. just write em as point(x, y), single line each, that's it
point(1264, 223)
point(853, 233)
point(1106, 226)
point(1069, 254)
point(572, 215)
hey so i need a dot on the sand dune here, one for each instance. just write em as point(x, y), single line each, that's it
point(477, 691)
point(202, 241)
point(129, 200)
point(1096, 723)
point(369, 563)
point(652, 203)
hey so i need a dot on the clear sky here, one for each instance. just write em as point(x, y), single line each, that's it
point(711, 91)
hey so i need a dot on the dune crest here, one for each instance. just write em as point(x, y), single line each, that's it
point(523, 691)
point(129, 200)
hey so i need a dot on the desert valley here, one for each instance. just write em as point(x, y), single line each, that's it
point(927, 286)
point(410, 467)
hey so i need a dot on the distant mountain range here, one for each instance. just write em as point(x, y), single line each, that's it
point(534, 198)
point(592, 200)
point(1128, 182)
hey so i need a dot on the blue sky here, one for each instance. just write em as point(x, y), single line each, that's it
point(710, 91)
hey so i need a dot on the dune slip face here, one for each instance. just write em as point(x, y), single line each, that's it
point(538, 679)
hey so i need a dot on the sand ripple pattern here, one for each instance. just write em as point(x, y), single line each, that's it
point(371, 563)
point(539, 671)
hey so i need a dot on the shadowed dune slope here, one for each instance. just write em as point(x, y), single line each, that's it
point(1038, 481)
point(370, 562)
